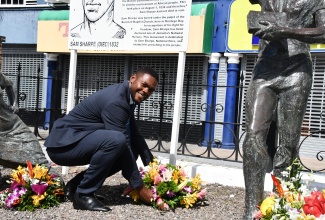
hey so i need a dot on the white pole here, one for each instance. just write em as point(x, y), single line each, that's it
point(71, 88)
point(177, 107)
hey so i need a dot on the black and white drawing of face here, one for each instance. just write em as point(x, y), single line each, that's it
point(95, 9)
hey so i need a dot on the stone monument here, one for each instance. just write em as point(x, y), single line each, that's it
point(17, 142)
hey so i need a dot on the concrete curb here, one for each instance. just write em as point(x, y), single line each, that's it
point(228, 173)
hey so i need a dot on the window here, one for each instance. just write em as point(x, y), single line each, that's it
point(18, 2)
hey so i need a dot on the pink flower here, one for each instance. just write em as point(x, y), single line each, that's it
point(162, 167)
point(257, 215)
point(314, 204)
point(188, 189)
point(39, 188)
point(157, 179)
point(182, 173)
point(201, 194)
point(142, 172)
point(165, 207)
point(159, 202)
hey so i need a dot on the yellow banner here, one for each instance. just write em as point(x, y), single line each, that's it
point(238, 39)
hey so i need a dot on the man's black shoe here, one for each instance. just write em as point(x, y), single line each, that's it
point(70, 189)
point(88, 202)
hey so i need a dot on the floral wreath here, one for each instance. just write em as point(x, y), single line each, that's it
point(32, 188)
point(170, 186)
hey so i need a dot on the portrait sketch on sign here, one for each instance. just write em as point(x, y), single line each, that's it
point(108, 25)
point(98, 20)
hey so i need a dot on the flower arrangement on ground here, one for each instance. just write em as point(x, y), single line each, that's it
point(32, 188)
point(170, 186)
point(293, 200)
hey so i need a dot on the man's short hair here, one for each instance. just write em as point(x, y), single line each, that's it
point(148, 70)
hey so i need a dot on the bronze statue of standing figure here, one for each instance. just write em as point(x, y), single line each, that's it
point(281, 83)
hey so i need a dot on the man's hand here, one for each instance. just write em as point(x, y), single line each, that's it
point(127, 190)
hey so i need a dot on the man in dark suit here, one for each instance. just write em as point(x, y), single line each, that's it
point(101, 131)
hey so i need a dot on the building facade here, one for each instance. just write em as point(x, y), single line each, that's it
point(219, 62)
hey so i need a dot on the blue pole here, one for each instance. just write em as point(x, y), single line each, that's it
point(228, 135)
point(211, 99)
point(51, 65)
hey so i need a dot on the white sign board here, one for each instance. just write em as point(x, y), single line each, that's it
point(141, 25)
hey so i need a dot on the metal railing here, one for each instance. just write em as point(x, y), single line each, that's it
point(197, 138)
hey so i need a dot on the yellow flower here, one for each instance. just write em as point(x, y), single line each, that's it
point(189, 200)
point(39, 171)
point(289, 197)
point(196, 182)
point(153, 172)
point(310, 217)
point(267, 205)
point(175, 176)
point(323, 192)
point(19, 172)
point(135, 195)
point(38, 198)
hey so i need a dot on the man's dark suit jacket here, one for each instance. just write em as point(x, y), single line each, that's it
point(109, 109)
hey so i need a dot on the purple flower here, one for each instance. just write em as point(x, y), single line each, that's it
point(14, 185)
point(13, 197)
point(154, 193)
point(53, 176)
point(170, 193)
point(39, 188)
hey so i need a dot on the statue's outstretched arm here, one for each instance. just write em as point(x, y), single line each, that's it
point(271, 31)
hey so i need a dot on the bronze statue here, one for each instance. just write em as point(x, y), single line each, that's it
point(281, 83)
point(17, 142)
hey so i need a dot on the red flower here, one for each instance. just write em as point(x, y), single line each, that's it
point(30, 168)
point(314, 204)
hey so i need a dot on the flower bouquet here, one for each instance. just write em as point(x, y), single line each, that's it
point(170, 186)
point(31, 188)
point(293, 199)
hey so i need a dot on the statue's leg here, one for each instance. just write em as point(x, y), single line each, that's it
point(291, 110)
point(261, 103)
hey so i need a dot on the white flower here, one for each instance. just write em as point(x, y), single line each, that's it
point(294, 179)
point(276, 205)
point(291, 186)
point(285, 173)
point(167, 175)
point(26, 177)
point(287, 206)
point(321, 217)
point(34, 181)
point(304, 190)
point(293, 213)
